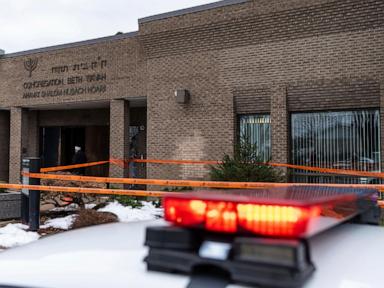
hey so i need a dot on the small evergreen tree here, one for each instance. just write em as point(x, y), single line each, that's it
point(245, 165)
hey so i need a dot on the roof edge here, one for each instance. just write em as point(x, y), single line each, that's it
point(191, 10)
point(71, 45)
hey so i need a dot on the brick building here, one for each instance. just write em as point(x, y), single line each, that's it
point(303, 79)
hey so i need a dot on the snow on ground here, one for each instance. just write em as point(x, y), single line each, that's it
point(129, 214)
point(68, 208)
point(15, 235)
point(90, 206)
point(64, 223)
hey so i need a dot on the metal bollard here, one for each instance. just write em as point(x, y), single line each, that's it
point(25, 193)
point(30, 203)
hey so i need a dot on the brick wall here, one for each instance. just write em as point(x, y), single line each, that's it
point(33, 134)
point(251, 8)
point(119, 135)
point(382, 121)
point(254, 27)
point(78, 117)
point(257, 62)
point(4, 145)
point(333, 95)
point(202, 129)
point(279, 125)
point(125, 73)
point(252, 100)
point(17, 145)
point(261, 56)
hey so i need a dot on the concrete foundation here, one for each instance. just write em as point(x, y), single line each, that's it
point(9, 205)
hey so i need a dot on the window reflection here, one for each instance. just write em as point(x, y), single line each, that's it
point(256, 129)
point(344, 140)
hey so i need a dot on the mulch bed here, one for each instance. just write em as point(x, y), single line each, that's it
point(91, 217)
point(85, 218)
point(50, 231)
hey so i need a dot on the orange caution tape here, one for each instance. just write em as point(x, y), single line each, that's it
point(291, 166)
point(69, 167)
point(190, 183)
point(124, 164)
point(181, 162)
point(80, 190)
point(331, 170)
point(120, 163)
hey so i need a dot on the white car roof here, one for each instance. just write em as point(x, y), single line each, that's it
point(112, 256)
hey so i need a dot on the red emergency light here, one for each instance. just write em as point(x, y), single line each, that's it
point(255, 237)
point(292, 212)
point(230, 217)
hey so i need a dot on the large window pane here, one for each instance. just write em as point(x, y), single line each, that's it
point(345, 140)
point(256, 129)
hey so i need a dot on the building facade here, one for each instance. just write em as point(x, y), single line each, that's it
point(303, 79)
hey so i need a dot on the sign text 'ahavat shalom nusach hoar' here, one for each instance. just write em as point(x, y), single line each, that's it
point(63, 83)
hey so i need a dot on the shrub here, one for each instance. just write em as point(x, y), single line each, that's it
point(131, 201)
point(245, 165)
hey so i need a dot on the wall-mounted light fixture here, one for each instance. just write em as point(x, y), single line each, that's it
point(182, 96)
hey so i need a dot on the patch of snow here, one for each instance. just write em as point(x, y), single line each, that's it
point(90, 206)
point(70, 207)
point(63, 223)
point(15, 235)
point(128, 214)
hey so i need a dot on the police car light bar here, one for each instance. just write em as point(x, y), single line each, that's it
point(257, 237)
point(292, 212)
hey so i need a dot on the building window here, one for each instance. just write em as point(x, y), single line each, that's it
point(344, 140)
point(257, 130)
